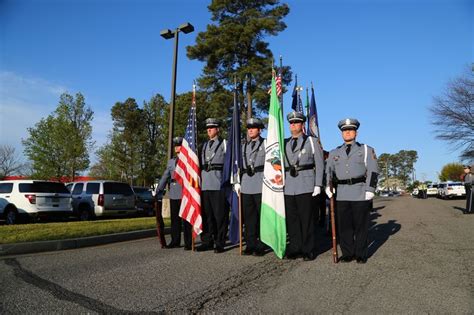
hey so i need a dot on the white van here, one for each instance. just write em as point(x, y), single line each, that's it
point(33, 199)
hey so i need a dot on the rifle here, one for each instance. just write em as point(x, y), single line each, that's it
point(160, 224)
point(333, 221)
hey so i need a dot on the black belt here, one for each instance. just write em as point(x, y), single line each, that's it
point(173, 180)
point(213, 167)
point(300, 167)
point(351, 181)
point(252, 170)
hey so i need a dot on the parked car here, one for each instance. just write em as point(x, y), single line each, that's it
point(99, 198)
point(389, 193)
point(23, 200)
point(145, 201)
point(432, 190)
point(449, 190)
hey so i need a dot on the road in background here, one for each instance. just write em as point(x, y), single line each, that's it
point(421, 260)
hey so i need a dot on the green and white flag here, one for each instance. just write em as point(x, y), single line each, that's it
point(272, 217)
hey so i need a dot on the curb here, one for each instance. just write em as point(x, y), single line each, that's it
point(73, 243)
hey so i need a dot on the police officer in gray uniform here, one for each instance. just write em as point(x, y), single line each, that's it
point(215, 211)
point(304, 168)
point(253, 155)
point(353, 168)
point(468, 181)
point(175, 195)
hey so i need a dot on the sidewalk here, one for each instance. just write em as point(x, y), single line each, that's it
point(45, 246)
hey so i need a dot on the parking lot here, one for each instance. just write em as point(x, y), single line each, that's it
point(421, 254)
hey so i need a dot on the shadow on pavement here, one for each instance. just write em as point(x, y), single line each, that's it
point(460, 209)
point(380, 233)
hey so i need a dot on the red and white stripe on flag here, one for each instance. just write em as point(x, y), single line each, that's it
point(187, 174)
point(278, 85)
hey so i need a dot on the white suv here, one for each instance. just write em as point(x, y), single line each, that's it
point(100, 198)
point(33, 199)
point(451, 189)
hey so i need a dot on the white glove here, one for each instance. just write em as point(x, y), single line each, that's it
point(329, 192)
point(369, 195)
point(237, 188)
point(316, 191)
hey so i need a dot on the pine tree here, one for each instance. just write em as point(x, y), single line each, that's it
point(234, 46)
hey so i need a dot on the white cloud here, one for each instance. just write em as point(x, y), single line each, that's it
point(23, 102)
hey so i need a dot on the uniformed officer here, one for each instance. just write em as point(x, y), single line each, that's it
point(468, 181)
point(253, 155)
point(304, 167)
point(215, 211)
point(175, 195)
point(353, 167)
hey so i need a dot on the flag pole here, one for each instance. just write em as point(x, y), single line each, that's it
point(238, 194)
point(193, 235)
point(281, 74)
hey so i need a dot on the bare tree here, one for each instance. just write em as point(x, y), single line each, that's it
point(10, 163)
point(453, 115)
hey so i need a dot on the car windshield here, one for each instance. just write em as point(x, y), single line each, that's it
point(43, 187)
point(454, 184)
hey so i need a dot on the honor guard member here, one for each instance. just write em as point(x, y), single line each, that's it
point(215, 210)
point(353, 168)
point(175, 195)
point(253, 155)
point(303, 180)
point(468, 181)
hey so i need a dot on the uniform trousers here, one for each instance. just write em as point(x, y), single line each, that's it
point(251, 204)
point(215, 218)
point(353, 227)
point(300, 218)
point(469, 199)
point(178, 224)
point(321, 220)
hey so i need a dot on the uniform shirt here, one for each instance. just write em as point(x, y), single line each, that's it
point(253, 184)
point(175, 191)
point(352, 166)
point(469, 179)
point(214, 156)
point(307, 179)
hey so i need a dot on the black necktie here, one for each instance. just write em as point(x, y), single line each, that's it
point(252, 145)
point(348, 149)
point(211, 142)
point(293, 145)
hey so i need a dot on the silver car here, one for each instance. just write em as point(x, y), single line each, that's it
point(101, 198)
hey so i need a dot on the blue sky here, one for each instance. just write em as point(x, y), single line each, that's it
point(379, 61)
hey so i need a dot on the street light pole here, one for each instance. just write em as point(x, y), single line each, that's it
point(168, 34)
point(173, 95)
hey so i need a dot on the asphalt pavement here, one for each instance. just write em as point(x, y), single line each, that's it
point(421, 261)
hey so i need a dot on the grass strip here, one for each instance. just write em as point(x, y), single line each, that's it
point(64, 230)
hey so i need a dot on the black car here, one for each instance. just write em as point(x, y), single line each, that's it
point(144, 201)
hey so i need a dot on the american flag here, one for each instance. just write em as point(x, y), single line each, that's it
point(278, 84)
point(188, 174)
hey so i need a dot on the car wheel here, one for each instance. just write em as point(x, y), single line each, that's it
point(84, 214)
point(11, 216)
